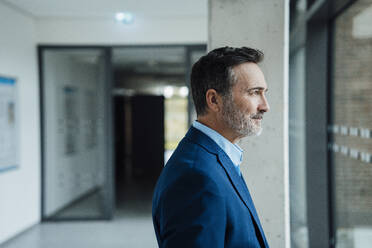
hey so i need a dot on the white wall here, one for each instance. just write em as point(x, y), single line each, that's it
point(69, 176)
point(145, 30)
point(20, 188)
point(263, 25)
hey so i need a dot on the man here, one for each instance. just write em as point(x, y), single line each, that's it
point(201, 199)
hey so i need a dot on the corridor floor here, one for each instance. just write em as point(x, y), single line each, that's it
point(131, 228)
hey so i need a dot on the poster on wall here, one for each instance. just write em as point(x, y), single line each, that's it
point(71, 119)
point(8, 124)
point(90, 127)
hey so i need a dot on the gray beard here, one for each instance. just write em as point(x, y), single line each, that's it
point(238, 121)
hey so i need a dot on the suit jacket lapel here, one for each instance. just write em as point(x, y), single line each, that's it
point(257, 219)
point(242, 190)
point(239, 186)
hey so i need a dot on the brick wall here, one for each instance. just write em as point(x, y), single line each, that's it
point(352, 107)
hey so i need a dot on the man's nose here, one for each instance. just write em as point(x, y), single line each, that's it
point(264, 105)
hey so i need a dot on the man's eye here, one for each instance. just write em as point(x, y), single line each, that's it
point(255, 92)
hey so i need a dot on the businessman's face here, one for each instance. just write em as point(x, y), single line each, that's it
point(243, 109)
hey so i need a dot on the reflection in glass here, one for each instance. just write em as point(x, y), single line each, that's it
point(352, 125)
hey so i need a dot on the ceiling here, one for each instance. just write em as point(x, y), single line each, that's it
point(164, 60)
point(107, 8)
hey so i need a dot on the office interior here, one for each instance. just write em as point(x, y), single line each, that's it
point(94, 102)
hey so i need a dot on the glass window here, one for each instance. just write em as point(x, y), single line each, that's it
point(352, 124)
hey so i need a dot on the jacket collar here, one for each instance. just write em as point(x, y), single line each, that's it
point(196, 136)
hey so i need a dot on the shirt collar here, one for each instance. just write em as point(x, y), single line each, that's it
point(233, 151)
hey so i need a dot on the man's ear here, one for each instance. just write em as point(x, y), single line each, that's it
point(214, 100)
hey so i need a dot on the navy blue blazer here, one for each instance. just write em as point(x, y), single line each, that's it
point(201, 201)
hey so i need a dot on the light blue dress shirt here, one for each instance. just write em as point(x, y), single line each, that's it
point(234, 152)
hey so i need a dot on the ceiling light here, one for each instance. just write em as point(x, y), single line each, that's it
point(184, 91)
point(168, 91)
point(124, 17)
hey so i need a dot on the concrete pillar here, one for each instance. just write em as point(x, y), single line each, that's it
point(263, 25)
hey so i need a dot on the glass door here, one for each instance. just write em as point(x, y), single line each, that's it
point(77, 175)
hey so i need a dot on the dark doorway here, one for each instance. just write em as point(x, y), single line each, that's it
point(120, 141)
point(147, 136)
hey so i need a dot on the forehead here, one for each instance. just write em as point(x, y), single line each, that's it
point(249, 75)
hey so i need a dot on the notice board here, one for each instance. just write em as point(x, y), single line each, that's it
point(8, 124)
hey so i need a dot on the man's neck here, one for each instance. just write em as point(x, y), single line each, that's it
point(220, 127)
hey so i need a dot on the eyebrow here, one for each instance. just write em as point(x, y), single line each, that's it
point(258, 88)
